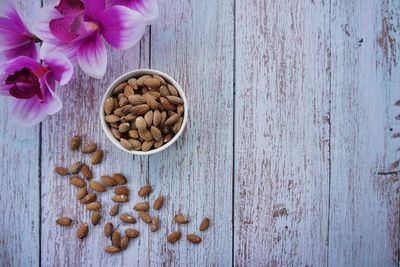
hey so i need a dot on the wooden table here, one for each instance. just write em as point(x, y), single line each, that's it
point(290, 147)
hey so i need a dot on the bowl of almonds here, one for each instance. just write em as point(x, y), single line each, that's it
point(144, 111)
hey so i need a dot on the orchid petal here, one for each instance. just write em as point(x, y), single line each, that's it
point(67, 49)
point(122, 27)
point(28, 49)
point(27, 112)
point(92, 56)
point(18, 63)
point(60, 67)
point(62, 27)
point(52, 103)
point(68, 7)
point(41, 26)
point(147, 8)
point(9, 9)
point(93, 8)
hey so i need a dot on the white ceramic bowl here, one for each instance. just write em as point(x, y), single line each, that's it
point(125, 77)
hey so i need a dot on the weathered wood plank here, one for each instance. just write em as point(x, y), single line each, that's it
point(19, 183)
point(364, 214)
point(281, 133)
point(82, 97)
point(193, 42)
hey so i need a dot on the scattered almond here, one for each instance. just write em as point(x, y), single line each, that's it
point(64, 221)
point(89, 198)
point(114, 210)
point(141, 206)
point(96, 186)
point(75, 142)
point(86, 172)
point(93, 205)
point(81, 193)
point(116, 239)
point(145, 190)
point(112, 249)
point(127, 218)
point(180, 218)
point(95, 218)
point(82, 231)
point(120, 198)
point(124, 242)
point(97, 156)
point(154, 224)
point(89, 148)
point(145, 216)
point(108, 229)
point(131, 233)
point(108, 180)
point(158, 202)
point(174, 236)
point(119, 178)
point(61, 171)
point(205, 223)
point(122, 190)
point(193, 238)
point(77, 181)
point(74, 168)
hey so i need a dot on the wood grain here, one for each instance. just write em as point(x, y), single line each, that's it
point(19, 182)
point(364, 213)
point(82, 98)
point(281, 133)
point(193, 42)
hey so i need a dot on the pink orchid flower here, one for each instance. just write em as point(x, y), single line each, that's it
point(148, 8)
point(15, 38)
point(32, 86)
point(76, 28)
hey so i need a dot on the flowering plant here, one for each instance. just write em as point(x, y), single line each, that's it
point(73, 30)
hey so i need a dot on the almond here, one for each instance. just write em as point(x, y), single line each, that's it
point(145, 190)
point(109, 106)
point(114, 210)
point(145, 216)
point(172, 90)
point(126, 110)
point(152, 83)
point(120, 198)
point(133, 83)
point(140, 109)
point(74, 168)
point(145, 134)
point(126, 144)
point(116, 133)
point(95, 218)
point(124, 127)
point(97, 156)
point(146, 146)
point(151, 102)
point(82, 231)
point(156, 118)
point(64, 221)
point(86, 172)
point(136, 144)
point(96, 186)
point(77, 181)
point(108, 229)
point(75, 142)
point(137, 100)
point(174, 99)
point(120, 88)
point(193, 238)
point(154, 224)
point(128, 91)
point(180, 109)
point(112, 249)
point(94, 205)
point(167, 138)
point(124, 242)
point(165, 129)
point(108, 180)
point(133, 134)
point(118, 111)
point(155, 94)
point(166, 104)
point(177, 125)
point(130, 117)
point(158, 143)
point(61, 171)
point(174, 236)
point(89, 198)
point(141, 80)
point(160, 79)
point(180, 218)
point(119, 178)
point(141, 206)
point(140, 123)
point(131, 233)
point(81, 193)
point(171, 120)
point(148, 117)
point(156, 133)
point(127, 218)
point(163, 118)
point(158, 202)
point(122, 190)
point(112, 118)
point(116, 239)
point(205, 223)
point(164, 91)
